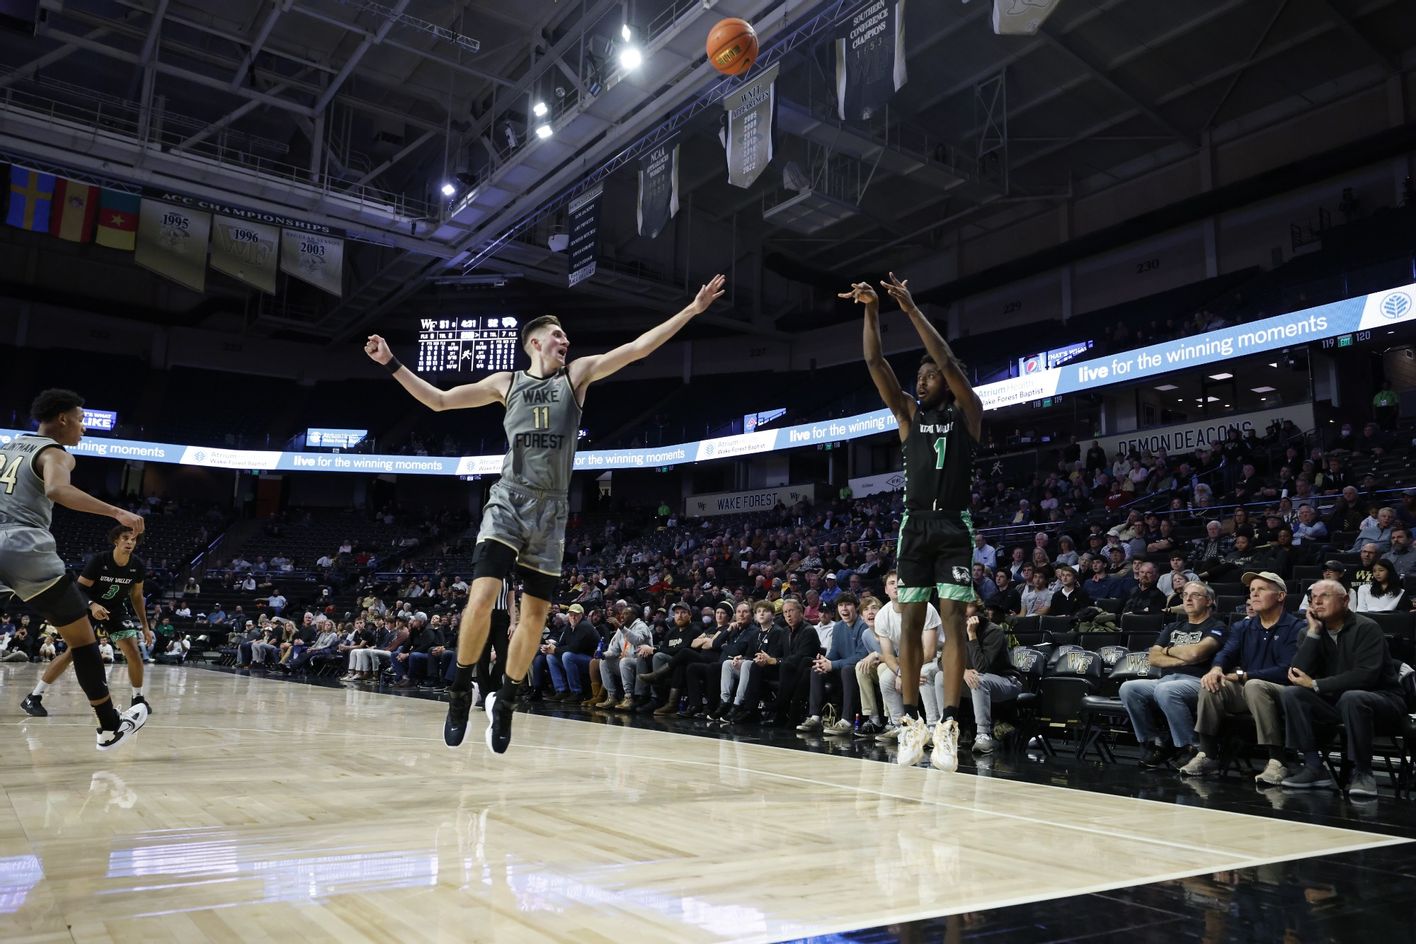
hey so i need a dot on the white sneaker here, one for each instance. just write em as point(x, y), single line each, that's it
point(842, 728)
point(810, 725)
point(946, 746)
point(891, 733)
point(1273, 774)
point(131, 720)
point(983, 744)
point(912, 736)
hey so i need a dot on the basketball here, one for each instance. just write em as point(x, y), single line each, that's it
point(732, 46)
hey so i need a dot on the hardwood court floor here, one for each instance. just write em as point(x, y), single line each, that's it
point(252, 809)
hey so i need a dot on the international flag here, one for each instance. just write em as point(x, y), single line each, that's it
point(31, 196)
point(118, 220)
point(74, 212)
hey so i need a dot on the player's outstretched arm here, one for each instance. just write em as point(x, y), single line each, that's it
point(490, 389)
point(55, 465)
point(587, 370)
point(881, 373)
point(943, 355)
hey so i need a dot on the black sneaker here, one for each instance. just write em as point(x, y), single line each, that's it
point(869, 729)
point(459, 706)
point(140, 700)
point(1157, 756)
point(500, 707)
point(33, 705)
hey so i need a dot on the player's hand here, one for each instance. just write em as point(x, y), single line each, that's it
point(898, 289)
point(132, 522)
point(378, 350)
point(708, 294)
point(99, 611)
point(862, 294)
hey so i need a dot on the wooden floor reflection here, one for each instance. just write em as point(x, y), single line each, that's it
point(253, 809)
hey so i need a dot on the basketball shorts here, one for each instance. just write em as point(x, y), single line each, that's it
point(530, 523)
point(29, 561)
point(127, 629)
point(935, 552)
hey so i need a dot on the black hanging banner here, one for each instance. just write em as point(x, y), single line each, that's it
point(584, 234)
point(658, 188)
point(870, 59)
point(749, 139)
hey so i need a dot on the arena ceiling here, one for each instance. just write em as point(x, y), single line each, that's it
point(357, 111)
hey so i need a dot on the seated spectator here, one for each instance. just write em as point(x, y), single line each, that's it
point(1342, 673)
point(619, 666)
point(1383, 592)
point(678, 637)
point(725, 643)
point(105, 650)
point(792, 671)
point(1067, 551)
point(1375, 529)
point(19, 646)
point(1146, 598)
point(571, 651)
point(1177, 566)
point(885, 621)
point(1366, 559)
point(1183, 653)
point(1402, 555)
point(850, 642)
point(1239, 560)
point(983, 586)
point(1309, 530)
point(984, 553)
point(1007, 596)
point(1070, 597)
point(766, 642)
point(1248, 677)
point(990, 675)
point(1036, 599)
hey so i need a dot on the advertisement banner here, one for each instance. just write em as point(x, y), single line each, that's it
point(584, 235)
point(868, 485)
point(870, 60)
point(1177, 438)
point(313, 258)
point(736, 503)
point(658, 188)
point(749, 141)
point(248, 252)
point(172, 241)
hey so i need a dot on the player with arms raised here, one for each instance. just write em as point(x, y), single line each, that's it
point(523, 522)
point(34, 474)
point(939, 430)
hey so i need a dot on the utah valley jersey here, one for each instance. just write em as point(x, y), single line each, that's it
point(22, 498)
point(542, 427)
point(113, 584)
point(939, 456)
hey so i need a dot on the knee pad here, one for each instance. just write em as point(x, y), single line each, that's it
point(62, 603)
point(88, 666)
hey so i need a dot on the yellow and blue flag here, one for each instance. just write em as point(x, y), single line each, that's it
point(31, 199)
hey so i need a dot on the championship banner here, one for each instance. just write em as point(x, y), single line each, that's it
point(658, 188)
point(584, 235)
point(749, 142)
point(240, 213)
point(248, 252)
point(172, 241)
point(312, 258)
point(870, 60)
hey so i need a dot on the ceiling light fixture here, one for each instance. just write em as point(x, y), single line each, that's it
point(1167, 387)
point(543, 131)
point(1263, 389)
point(1220, 376)
point(539, 109)
point(630, 58)
point(448, 189)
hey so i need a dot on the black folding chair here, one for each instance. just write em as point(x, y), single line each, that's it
point(1103, 714)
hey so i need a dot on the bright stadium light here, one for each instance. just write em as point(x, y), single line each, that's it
point(630, 58)
point(539, 109)
point(626, 33)
point(448, 189)
point(543, 131)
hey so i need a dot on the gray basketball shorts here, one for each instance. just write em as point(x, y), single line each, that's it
point(29, 561)
point(530, 523)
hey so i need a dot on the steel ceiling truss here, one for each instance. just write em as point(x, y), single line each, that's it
point(802, 32)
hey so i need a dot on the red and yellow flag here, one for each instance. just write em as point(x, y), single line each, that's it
point(75, 210)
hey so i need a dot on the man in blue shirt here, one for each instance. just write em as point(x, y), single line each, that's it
point(1183, 653)
point(1247, 678)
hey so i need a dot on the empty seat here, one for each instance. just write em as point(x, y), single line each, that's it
point(1142, 623)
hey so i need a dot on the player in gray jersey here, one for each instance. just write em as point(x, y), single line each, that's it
point(34, 474)
point(523, 522)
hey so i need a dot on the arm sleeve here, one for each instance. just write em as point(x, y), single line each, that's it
point(1368, 651)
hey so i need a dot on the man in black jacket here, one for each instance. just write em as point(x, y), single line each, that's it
point(990, 675)
point(1147, 598)
point(568, 655)
point(803, 644)
point(765, 655)
point(1342, 673)
point(678, 636)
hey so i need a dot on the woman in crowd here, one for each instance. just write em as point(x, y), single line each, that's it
point(1383, 592)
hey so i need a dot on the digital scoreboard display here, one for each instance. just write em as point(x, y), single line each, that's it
point(481, 344)
point(319, 437)
point(100, 419)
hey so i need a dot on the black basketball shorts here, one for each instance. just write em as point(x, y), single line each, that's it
point(935, 552)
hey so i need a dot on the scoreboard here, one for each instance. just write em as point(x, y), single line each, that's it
point(481, 344)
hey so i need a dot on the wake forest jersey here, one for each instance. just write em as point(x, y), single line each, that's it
point(542, 427)
point(938, 461)
point(22, 498)
point(113, 584)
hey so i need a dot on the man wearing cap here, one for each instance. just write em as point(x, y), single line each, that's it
point(828, 596)
point(1342, 672)
point(1332, 570)
point(702, 677)
point(568, 655)
point(677, 638)
point(1247, 678)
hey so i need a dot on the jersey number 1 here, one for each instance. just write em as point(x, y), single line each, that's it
point(8, 477)
point(941, 446)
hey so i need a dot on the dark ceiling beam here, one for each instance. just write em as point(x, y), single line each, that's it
point(1281, 6)
point(1354, 32)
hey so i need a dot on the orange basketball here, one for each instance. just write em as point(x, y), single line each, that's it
point(732, 46)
